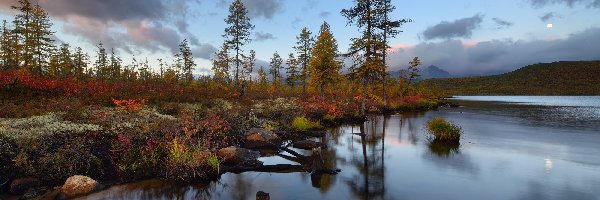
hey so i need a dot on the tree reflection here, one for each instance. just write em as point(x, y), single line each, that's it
point(369, 161)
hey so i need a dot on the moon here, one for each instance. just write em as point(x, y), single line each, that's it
point(549, 25)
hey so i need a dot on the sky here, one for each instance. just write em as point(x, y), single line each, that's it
point(463, 37)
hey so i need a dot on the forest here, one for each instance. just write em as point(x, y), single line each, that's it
point(64, 112)
point(558, 78)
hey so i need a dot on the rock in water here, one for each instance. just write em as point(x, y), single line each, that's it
point(77, 186)
point(308, 145)
point(260, 195)
point(261, 139)
point(234, 155)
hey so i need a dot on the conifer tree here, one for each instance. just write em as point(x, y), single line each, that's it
point(262, 77)
point(368, 63)
point(304, 48)
point(412, 73)
point(114, 70)
point(80, 63)
point(292, 70)
point(101, 63)
point(275, 67)
point(8, 52)
point(324, 65)
point(237, 34)
point(65, 62)
point(221, 65)
point(185, 61)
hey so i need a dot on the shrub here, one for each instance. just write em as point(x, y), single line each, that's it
point(443, 130)
point(213, 162)
point(303, 124)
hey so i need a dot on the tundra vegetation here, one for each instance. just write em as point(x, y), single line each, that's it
point(64, 113)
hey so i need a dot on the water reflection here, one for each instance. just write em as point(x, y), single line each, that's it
point(508, 152)
point(443, 149)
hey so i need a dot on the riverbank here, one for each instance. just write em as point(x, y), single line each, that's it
point(135, 140)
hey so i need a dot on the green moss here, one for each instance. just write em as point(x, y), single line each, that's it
point(303, 124)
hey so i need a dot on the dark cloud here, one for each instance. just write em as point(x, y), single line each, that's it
point(502, 24)
point(204, 51)
point(549, 16)
point(128, 25)
point(569, 3)
point(461, 28)
point(260, 36)
point(462, 58)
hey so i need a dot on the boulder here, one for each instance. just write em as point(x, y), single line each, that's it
point(260, 195)
point(261, 139)
point(317, 133)
point(308, 145)
point(235, 155)
point(22, 185)
point(77, 186)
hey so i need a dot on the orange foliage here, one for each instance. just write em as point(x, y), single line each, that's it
point(129, 104)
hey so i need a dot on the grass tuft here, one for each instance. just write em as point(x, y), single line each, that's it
point(444, 131)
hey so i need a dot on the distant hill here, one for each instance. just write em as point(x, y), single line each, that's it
point(558, 78)
point(428, 73)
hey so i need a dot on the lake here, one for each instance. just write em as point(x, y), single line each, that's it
point(512, 148)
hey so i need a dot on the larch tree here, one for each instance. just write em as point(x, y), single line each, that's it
point(237, 34)
point(412, 73)
point(220, 66)
point(33, 30)
point(368, 62)
point(247, 70)
point(80, 63)
point(275, 67)
point(293, 73)
point(263, 80)
point(114, 70)
point(101, 64)
point(65, 61)
point(324, 66)
point(8, 52)
point(185, 60)
point(303, 48)
point(389, 29)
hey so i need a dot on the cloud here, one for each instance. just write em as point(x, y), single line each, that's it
point(549, 16)
point(151, 25)
point(204, 51)
point(502, 24)
point(324, 14)
point(258, 8)
point(260, 36)
point(463, 58)
point(569, 3)
point(461, 28)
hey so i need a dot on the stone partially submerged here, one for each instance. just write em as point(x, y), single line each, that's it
point(261, 139)
point(234, 155)
point(77, 186)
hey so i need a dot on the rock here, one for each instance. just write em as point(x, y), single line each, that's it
point(77, 186)
point(261, 139)
point(22, 185)
point(234, 155)
point(308, 145)
point(260, 195)
point(316, 133)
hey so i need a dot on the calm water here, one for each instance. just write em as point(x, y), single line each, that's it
point(513, 148)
